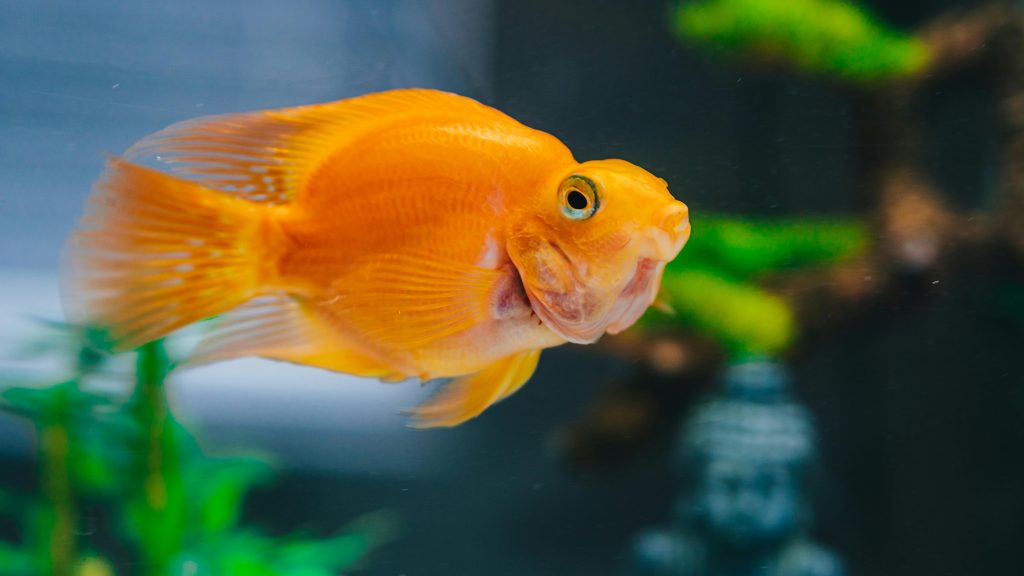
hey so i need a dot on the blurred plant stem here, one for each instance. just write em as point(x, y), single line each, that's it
point(131, 456)
point(58, 550)
point(160, 515)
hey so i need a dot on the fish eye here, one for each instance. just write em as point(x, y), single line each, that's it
point(578, 197)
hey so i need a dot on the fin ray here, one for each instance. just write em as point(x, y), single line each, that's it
point(409, 300)
point(267, 156)
point(282, 327)
point(154, 253)
point(467, 397)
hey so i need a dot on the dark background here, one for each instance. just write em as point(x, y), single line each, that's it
point(920, 406)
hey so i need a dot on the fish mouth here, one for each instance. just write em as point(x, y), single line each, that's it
point(637, 295)
point(566, 314)
point(669, 243)
point(574, 311)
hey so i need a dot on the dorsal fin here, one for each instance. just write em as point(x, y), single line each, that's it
point(266, 156)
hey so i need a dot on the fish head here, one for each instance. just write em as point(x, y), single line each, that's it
point(592, 245)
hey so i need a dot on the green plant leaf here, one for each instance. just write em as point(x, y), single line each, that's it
point(178, 507)
point(832, 37)
point(56, 401)
point(94, 469)
point(218, 487)
point(94, 566)
point(746, 319)
point(239, 564)
point(15, 561)
point(341, 551)
point(745, 247)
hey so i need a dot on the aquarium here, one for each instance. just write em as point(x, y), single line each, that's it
point(461, 287)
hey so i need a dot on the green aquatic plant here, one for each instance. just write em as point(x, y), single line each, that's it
point(831, 37)
point(713, 285)
point(175, 509)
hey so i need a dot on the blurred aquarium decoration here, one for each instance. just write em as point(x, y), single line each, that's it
point(744, 461)
point(827, 385)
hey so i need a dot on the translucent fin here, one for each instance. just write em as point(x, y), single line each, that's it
point(409, 300)
point(267, 156)
point(468, 396)
point(663, 302)
point(281, 327)
point(153, 253)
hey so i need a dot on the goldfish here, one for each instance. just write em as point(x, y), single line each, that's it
point(406, 234)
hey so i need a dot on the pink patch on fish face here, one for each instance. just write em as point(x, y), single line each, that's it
point(580, 294)
point(638, 294)
point(582, 316)
point(509, 299)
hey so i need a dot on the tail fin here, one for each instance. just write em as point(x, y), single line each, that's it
point(154, 253)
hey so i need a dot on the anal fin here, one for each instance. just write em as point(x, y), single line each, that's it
point(468, 396)
point(282, 327)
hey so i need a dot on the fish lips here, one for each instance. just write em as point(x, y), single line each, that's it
point(577, 315)
point(637, 296)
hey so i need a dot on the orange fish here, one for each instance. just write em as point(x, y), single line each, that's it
point(402, 234)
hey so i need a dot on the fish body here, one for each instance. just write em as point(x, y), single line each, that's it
point(403, 234)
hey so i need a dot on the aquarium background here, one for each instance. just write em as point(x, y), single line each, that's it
point(919, 404)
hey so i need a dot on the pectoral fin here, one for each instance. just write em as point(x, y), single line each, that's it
point(468, 396)
point(407, 301)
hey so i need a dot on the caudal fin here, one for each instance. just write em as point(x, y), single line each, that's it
point(154, 253)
